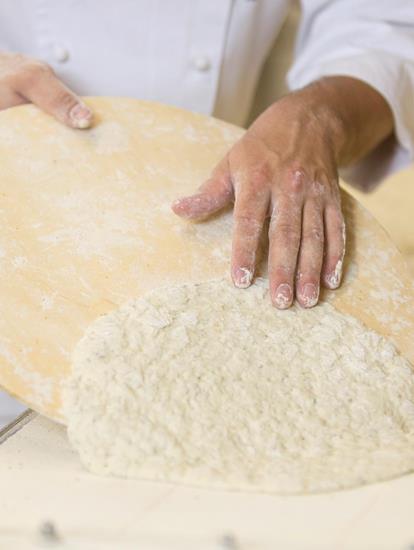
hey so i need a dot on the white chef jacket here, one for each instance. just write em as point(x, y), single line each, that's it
point(206, 55)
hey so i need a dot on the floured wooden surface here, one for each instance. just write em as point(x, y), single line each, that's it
point(87, 225)
point(391, 203)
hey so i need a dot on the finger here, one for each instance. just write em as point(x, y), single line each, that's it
point(284, 241)
point(213, 195)
point(308, 273)
point(335, 237)
point(9, 98)
point(38, 84)
point(250, 210)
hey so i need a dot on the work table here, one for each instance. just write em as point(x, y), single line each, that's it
point(42, 481)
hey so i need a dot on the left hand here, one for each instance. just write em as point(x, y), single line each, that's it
point(283, 168)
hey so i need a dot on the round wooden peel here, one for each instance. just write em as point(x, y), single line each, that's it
point(86, 225)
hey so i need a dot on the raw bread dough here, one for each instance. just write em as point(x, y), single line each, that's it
point(209, 385)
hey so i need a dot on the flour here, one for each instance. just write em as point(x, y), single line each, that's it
point(209, 385)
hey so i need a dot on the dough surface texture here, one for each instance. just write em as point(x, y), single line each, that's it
point(209, 385)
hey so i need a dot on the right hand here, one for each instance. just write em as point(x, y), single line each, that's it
point(26, 80)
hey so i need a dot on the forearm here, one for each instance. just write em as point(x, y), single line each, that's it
point(356, 116)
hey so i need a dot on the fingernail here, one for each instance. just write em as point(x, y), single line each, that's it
point(333, 279)
point(183, 208)
point(177, 203)
point(310, 295)
point(243, 277)
point(283, 296)
point(81, 116)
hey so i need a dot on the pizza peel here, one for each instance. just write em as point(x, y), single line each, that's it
point(87, 225)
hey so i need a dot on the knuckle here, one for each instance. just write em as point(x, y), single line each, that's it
point(284, 228)
point(64, 100)
point(281, 271)
point(31, 71)
point(286, 235)
point(318, 188)
point(314, 234)
point(296, 179)
point(308, 274)
point(260, 176)
point(248, 223)
point(37, 68)
point(309, 266)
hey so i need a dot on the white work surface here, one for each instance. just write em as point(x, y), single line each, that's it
point(41, 479)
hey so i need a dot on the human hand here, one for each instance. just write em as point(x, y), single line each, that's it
point(26, 80)
point(283, 168)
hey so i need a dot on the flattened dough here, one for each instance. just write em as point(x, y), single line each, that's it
point(209, 385)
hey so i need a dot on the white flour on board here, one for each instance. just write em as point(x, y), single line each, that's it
point(209, 385)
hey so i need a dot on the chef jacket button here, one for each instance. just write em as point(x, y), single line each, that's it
point(201, 63)
point(60, 53)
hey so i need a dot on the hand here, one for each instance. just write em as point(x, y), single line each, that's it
point(25, 80)
point(283, 168)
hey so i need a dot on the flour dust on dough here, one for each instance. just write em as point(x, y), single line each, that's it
point(209, 385)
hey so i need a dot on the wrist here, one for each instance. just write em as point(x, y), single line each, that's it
point(317, 107)
point(341, 115)
point(354, 116)
point(302, 119)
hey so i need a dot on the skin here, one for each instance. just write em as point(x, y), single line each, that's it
point(26, 80)
point(285, 170)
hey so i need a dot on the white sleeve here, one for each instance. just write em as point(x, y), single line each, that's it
point(372, 40)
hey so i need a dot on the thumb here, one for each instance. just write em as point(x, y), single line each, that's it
point(43, 88)
point(213, 195)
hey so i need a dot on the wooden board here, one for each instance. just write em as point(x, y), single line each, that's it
point(86, 225)
point(391, 203)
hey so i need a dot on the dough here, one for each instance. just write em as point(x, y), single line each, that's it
point(209, 385)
